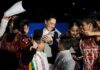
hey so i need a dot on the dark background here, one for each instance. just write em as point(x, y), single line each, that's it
point(64, 10)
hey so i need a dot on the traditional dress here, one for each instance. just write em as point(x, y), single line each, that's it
point(8, 42)
point(22, 42)
point(8, 49)
point(98, 60)
point(90, 52)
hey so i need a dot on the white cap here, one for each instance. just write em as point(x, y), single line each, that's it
point(15, 9)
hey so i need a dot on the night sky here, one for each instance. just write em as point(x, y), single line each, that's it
point(63, 10)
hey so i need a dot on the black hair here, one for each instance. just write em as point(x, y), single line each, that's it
point(74, 22)
point(66, 41)
point(88, 20)
point(10, 36)
point(96, 19)
point(49, 16)
point(37, 35)
point(9, 24)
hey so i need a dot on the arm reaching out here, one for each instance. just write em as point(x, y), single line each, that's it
point(96, 33)
point(3, 25)
point(15, 9)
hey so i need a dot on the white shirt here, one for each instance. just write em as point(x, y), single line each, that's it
point(45, 31)
point(68, 54)
point(64, 61)
point(40, 61)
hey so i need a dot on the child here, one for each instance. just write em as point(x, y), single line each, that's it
point(39, 60)
point(64, 60)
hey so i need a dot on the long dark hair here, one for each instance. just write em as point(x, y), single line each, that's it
point(9, 23)
point(10, 36)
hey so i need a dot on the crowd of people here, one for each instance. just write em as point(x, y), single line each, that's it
point(48, 48)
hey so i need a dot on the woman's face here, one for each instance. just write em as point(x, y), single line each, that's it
point(84, 26)
point(11, 25)
point(50, 24)
point(26, 29)
point(74, 31)
point(87, 27)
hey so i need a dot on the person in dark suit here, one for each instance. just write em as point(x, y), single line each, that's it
point(51, 36)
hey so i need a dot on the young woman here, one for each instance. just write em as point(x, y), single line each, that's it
point(22, 42)
point(88, 45)
point(40, 59)
point(8, 38)
point(8, 46)
point(74, 35)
